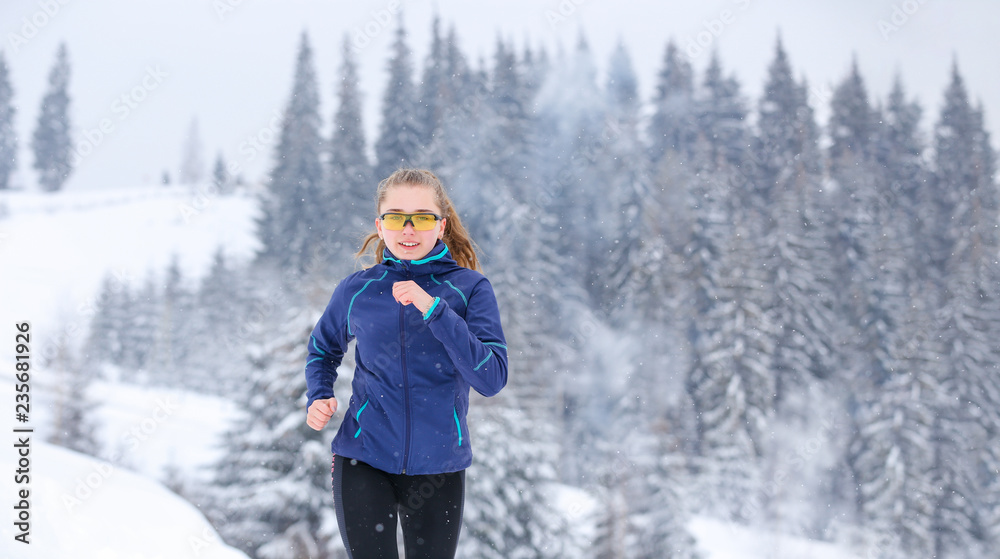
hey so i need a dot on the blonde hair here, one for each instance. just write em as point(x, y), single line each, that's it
point(459, 243)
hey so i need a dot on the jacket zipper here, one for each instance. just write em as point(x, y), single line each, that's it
point(406, 383)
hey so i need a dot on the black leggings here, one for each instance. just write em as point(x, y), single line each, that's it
point(368, 499)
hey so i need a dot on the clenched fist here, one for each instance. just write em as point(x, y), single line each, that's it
point(320, 412)
point(408, 292)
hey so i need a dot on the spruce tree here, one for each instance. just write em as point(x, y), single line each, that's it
point(220, 175)
point(722, 116)
point(192, 169)
point(171, 350)
point(673, 126)
point(966, 322)
point(292, 228)
point(109, 324)
point(508, 511)
point(8, 137)
point(626, 175)
point(73, 424)
point(351, 180)
point(434, 87)
point(453, 148)
point(399, 140)
point(786, 130)
point(51, 142)
point(271, 491)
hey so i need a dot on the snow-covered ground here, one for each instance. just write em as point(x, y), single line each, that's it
point(725, 540)
point(54, 251)
point(86, 508)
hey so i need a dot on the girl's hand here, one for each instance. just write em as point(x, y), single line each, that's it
point(320, 413)
point(408, 292)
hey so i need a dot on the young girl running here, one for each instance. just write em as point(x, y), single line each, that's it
point(427, 328)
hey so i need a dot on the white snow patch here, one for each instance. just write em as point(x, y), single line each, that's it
point(724, 540)
point(87, 508)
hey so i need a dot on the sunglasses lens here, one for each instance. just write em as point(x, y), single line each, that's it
point(424, 222)
point(393, 222)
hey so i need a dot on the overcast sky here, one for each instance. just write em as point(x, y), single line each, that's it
point(229, 63)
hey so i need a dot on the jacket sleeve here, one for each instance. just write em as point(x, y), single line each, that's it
point(327, 344)
point(476, 344)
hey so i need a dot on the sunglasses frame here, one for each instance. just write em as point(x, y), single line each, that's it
point(409, 219)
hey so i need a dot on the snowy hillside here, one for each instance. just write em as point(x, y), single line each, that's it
point(56, 249)
point(87, 508)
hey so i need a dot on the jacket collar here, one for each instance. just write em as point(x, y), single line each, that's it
point(438, 259)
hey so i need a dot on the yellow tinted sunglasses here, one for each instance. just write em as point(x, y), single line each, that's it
point(397, 221)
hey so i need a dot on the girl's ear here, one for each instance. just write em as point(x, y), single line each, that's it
point(444, 223)
point(378, 227)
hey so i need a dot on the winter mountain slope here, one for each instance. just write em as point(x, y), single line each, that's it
point(55, 249)
point(86, 508)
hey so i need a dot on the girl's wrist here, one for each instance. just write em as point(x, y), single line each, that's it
point(429, 308)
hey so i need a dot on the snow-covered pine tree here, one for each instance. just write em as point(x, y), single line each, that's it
point(641, 466)
point(628, 179)
point(860, 215)
point(139, 339)
point(220, 175)
point(452, 151)
point(899, 153)
point(351, 180)
point(572, 129)
point(782, 132)
point(219, 305)
point(892, 452)
point(434, 86)
point(271, 491)
point(73, 425)
point(51, 143)
point(674, 125)
point(508, 506)
point(293, 227)
point(399, 139)
point(8, 137)
point(192, 169)
point(171, 351)
point(784, 210)
point(111, 321)
point(722, 116)
point(966, 322)
point(730, 380)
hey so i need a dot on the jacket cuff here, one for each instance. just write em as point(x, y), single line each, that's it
point(433, 306)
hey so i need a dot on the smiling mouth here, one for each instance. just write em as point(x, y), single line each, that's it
point(408, 244)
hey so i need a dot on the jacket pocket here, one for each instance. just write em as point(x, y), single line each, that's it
point(357, 418)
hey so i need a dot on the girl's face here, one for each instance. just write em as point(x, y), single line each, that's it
point(410, 244)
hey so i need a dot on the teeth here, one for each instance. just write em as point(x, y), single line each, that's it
point(409, 244)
